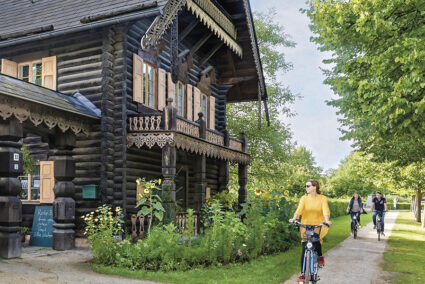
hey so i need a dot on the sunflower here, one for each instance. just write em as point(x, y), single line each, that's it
point(257, 191)
point(286, 192)
point(159, 182)
point(146, 190)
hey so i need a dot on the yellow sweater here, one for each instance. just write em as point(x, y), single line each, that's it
point(313, 210)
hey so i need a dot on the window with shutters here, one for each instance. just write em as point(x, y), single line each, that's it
point(149, 94)
point(180, 99)
point(31, 72)
point(205, 106)
point(41, 72)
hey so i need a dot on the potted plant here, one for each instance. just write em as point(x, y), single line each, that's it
point(23, 232)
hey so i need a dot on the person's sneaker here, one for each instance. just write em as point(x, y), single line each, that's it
point(374, 227)
point(321, 261)
point(301, 279)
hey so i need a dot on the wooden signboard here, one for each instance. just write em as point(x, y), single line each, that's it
point(42, 227)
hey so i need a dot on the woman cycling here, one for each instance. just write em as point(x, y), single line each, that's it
point(355, 207)
point(314, 210)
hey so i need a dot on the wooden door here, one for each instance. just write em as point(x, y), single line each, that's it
point(47, 182)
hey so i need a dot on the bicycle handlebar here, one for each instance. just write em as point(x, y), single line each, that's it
point(297, 223)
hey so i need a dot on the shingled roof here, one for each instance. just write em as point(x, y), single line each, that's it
point(19, 89)
point(20, 18)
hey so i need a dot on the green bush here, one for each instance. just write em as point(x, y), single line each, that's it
point(260, 228)
point(400, 206)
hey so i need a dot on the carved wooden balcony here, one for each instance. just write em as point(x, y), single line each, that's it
point(168, 128)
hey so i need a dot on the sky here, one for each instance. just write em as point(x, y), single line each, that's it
point(315, 126)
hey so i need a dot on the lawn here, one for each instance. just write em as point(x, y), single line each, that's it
point(266, 269)
point(405, 253)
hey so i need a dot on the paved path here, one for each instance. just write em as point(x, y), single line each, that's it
point(44, 265)
point(357, 260)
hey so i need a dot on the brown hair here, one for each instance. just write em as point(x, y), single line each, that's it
point(316, 184)
point(357, 194)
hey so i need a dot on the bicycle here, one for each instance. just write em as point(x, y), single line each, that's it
point(354, 225)
point(379, 224)
point(311, 266)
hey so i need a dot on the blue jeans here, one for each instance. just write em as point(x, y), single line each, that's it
point(382, 213)
point(357, 214)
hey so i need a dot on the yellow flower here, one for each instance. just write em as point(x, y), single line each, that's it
point(118, 209)
point(138, 181)
point(257, 191)
point(146, 190)
point(159, 182)
point(286, 192)
point(96, 220)
point(141, 196)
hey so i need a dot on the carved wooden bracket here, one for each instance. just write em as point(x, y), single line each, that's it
point(151, 55)
point(207, 78)
point(185, 62)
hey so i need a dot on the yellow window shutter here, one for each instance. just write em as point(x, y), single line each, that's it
point(212, 113)
point(196, 102)
point(161, 88)
point(48, 79)
point(137, 78)
point(9, 68)
point(47, 182)
point(189, 114)
point(171, 89)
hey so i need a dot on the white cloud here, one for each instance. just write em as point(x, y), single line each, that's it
point(316, 124)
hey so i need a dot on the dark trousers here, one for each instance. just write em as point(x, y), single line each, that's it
point(357, 214)
point(317, 246)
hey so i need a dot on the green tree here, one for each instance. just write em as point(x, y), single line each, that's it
point(378, 72)
point(274, 160)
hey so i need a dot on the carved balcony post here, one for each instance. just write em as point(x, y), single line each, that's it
point(226, 138)
point(244, 142)
point(169, 157)
point(202, 126)
point(170, 116)
point(10, 186)
point(64, 189)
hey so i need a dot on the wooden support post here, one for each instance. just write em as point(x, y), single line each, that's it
point(64, 204)
point(169, 157)
point(243, 178)
point(10, 186)
point(223, 178)
point(200, 181)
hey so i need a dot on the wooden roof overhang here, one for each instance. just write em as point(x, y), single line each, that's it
point(186, 143)
point(231, 21)
point(39, 105)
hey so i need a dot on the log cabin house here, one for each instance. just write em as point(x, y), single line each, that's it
point(102, 92)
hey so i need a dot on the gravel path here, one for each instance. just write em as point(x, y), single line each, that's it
point(357, 260)
point(44, 265)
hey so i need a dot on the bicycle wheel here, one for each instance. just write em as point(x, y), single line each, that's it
point(378, 229)
point(355, 233)
point(307, 273)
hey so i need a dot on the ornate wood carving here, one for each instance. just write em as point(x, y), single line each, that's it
point(161, 23)
point(186, 143)
point(142, 123)
point(185, 62)
point(151, 55)
point(215, 138)
point(187, 127)
point(38, 114)
point(207, 78)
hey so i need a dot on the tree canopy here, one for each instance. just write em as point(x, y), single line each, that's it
point(377, 69)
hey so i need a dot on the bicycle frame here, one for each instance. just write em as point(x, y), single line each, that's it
point(310, 268)
point(379, 224)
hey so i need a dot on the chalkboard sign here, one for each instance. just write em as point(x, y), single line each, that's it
point(42, 227)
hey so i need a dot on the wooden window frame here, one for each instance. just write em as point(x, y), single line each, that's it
point(145, 92)
point(30, 73)
point(206, 116)
point(183, 102)
point(30, 178)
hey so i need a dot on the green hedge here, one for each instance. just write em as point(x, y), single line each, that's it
point(337, 207)
point(400, 206)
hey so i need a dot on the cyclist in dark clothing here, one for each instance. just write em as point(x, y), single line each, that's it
point(355, 207)
point(379, 205)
